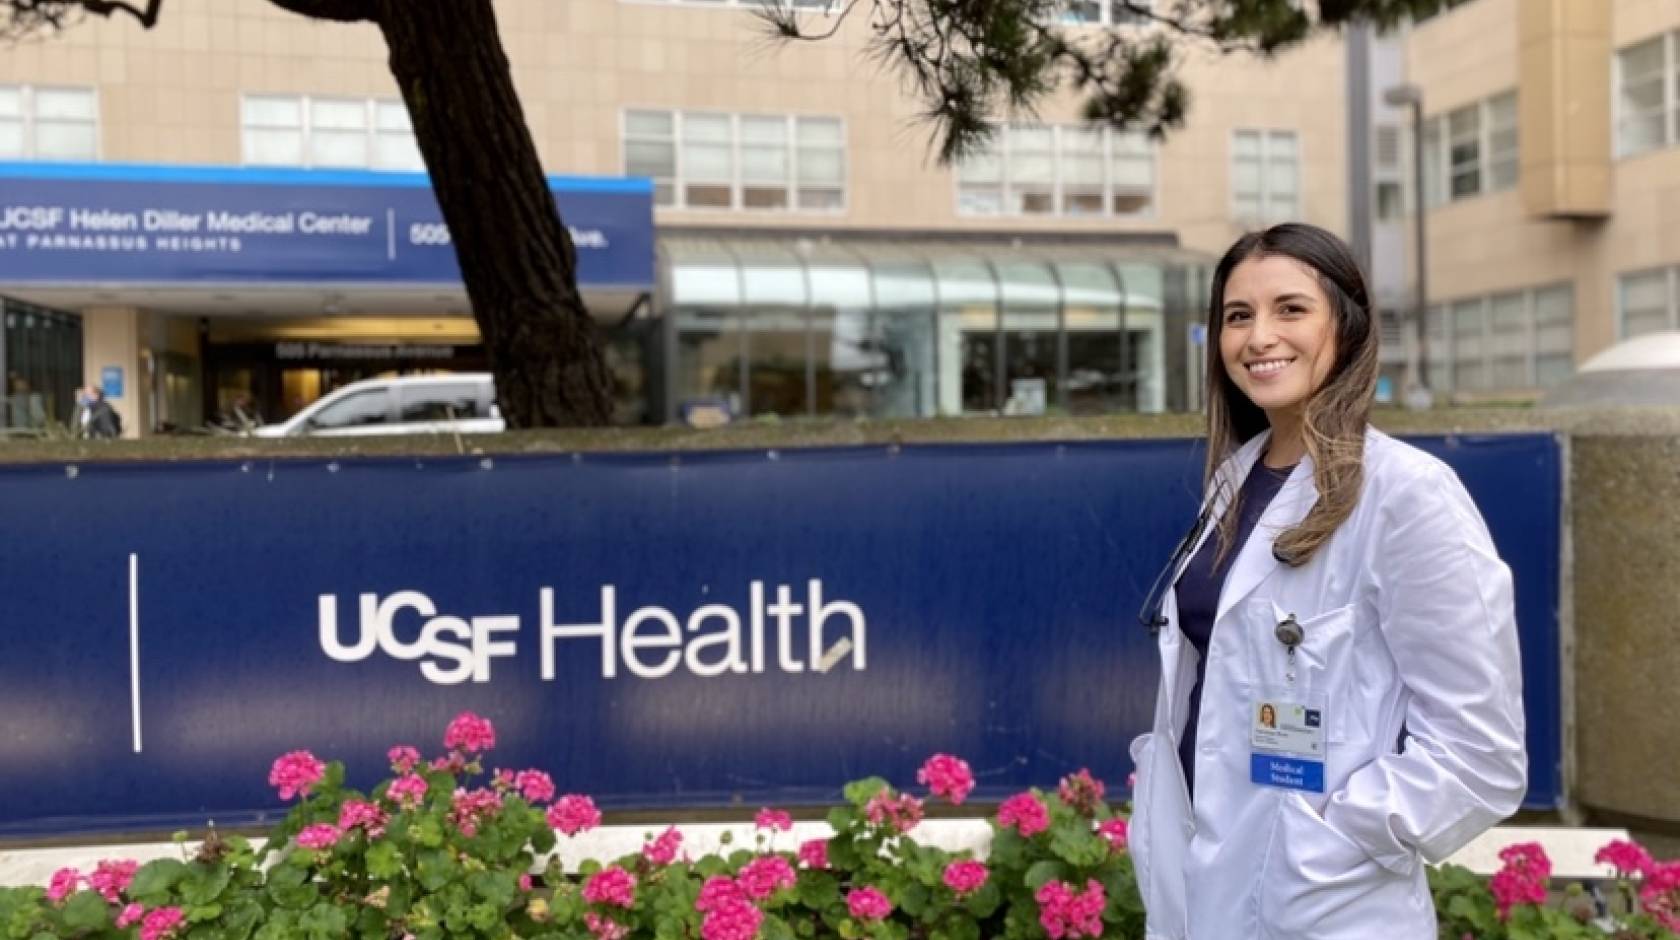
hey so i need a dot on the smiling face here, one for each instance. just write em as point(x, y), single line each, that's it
point(1277, 336)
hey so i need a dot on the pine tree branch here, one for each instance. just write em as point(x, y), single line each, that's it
point(337, 11)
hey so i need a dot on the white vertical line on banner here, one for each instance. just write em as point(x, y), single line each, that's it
point(390, 234)
point(134, 644)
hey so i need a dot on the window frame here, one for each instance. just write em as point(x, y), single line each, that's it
point(29, 121)
point(1446, 356)
point(1671, 287)
point(1111, 186)
point(1668, 77)
point(679, 181)
point(1438, 168)
point(1266, 214)
point(372, 133)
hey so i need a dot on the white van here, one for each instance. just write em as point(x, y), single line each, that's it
point(463, 403)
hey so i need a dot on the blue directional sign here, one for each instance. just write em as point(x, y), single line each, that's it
point(81, 224)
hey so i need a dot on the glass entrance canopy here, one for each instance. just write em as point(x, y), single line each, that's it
point(920, 327)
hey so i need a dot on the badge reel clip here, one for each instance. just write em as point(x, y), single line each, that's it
point(1290, 633)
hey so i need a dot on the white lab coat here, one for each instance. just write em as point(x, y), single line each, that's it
point(1409, 622)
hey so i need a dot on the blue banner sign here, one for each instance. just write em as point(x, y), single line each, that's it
point(81, 224)
point(657, 630)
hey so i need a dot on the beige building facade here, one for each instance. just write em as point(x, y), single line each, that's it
point(1552, 168)
point(812, 256)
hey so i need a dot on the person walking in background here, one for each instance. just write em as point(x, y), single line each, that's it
point(1341, 693)
point(95, 418)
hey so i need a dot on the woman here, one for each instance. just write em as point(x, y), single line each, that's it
point(1346, 578)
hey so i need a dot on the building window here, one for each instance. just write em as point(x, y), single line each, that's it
point(1646, 302)
point(340, 133)
point(1471, 151)
point(1647, 96)
point(1057, 170)
point(710, 160)
point(1108, 12)
point(1502, 155)
point(1511, 342)
point(45, 123)
point(1265, 176)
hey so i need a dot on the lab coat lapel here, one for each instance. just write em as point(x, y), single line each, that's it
point(1226, 481)
point(1255, 562)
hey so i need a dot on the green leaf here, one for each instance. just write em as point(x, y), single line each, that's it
point(384, 862)
point(429, 832)
point(436, 869)
point(1007, 849)
point(86, 911)
point(913, 899)
point(859, 792)
point(154, 879)
point(496, 887)
point(205, 883)
point(984, 902)
point(841, 818)
point(324, 921)
point(1043, 872)
point(774, 928)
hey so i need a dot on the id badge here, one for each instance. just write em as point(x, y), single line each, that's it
point(1287, 738)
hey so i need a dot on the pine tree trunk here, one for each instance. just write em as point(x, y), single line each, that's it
point(516, 256)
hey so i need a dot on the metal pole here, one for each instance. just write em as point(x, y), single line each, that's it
point(1421, 250)
point(1359, 141)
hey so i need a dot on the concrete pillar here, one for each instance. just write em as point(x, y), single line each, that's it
point(115, 337)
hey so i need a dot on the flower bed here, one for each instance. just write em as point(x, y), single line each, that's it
point(444, 849)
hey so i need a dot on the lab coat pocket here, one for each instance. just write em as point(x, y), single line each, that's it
point(1322, 662)
point(1316, 883)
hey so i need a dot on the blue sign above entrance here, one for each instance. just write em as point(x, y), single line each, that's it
point(81, 224)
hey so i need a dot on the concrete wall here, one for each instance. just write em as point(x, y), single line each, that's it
point(1626, 522)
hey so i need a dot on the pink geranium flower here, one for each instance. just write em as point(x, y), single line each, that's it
point(574, 813)
point(111, 878)
point(965, 877)
point(535, 786)
point(319, 837)
point(161, 923)
point(733, 919)
point(764, 876)
point(1063, 913)
point(895, 812)
point(868, 904)
point(773, 819)
point(1115, 832)
point(63, 884)
point(605, 928)
point(407, 792)
point(294, 773)
point(1523, 879)
point(948, 777)
point(611, 885)
point(131, 915)
point(1627, 858)
point(813, 854)
point(663, 850)
point(470, 734)
point(717, 891)
point(1659, 895)
point(403, 758)
point(364, 815)
point(1081, 791)
point(470, 809)
point(1024, 812)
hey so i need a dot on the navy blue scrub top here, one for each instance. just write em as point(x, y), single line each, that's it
point(1198, 592)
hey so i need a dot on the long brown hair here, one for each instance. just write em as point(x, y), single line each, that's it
point(1334, 417)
